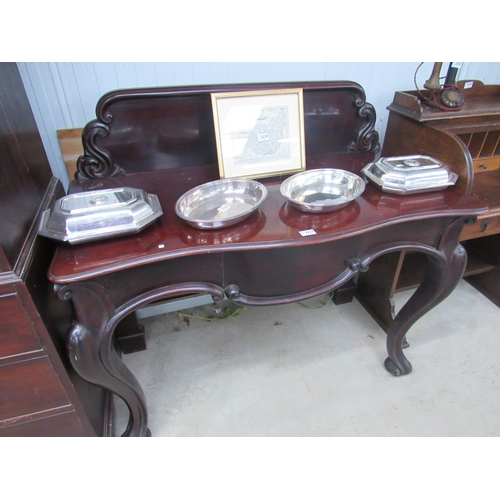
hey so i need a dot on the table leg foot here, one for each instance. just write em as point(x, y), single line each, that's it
point(391, 367)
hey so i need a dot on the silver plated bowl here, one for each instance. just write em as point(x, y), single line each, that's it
point(220, 203)
point(95, 215)
point(322, 190)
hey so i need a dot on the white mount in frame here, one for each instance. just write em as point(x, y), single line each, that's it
point(259, 133)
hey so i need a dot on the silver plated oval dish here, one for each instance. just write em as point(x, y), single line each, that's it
point(101, 214)
point(409, 174)
point(322, 190)
point(220, 203)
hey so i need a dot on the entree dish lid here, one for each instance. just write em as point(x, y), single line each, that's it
point(409, 174)
point(100, 214)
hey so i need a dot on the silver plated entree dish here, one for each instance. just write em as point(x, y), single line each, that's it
point(221, 203)
point(409, 174)
point(100, 214)
point(322, 190)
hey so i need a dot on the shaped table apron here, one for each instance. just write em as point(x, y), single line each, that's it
point(270, 269)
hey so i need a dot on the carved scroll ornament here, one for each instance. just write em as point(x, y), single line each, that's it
point(96, 163)
point(368, 138)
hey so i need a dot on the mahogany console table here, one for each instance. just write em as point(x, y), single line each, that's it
point(162, 141)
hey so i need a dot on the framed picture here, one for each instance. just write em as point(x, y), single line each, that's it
point(259, 133)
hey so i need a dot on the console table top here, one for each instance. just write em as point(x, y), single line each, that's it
point(275, 225)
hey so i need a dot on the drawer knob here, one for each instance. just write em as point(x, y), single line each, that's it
point(485, 224)
point(483, 166)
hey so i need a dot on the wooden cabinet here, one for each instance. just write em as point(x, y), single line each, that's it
point(40, 395)
point(468, 140)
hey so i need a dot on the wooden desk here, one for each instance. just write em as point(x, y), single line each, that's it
point(468, 139)
point(261, 261)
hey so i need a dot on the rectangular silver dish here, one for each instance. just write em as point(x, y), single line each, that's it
point(409, 174)
point(96, 215)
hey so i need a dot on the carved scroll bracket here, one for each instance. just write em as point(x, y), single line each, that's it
point(96, 163)
point(368, 138)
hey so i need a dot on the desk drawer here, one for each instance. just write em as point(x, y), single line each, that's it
point(485, 225)
point(28, 387)
point(60, 425)
point(17, 334)
point(486, 164)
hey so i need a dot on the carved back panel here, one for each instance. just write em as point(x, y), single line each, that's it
point(159, 128)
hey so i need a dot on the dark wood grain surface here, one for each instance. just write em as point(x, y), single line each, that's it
point(40, 395)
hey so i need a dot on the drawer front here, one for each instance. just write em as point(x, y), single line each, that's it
point(61, 425)
point(486, 164)
point(28, 387)
point(486, 225)
point(17, 334)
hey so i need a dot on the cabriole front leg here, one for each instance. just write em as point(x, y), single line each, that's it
point(93, 355)
point(441, 278)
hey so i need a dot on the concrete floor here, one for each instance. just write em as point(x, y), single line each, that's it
point(318, 371)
